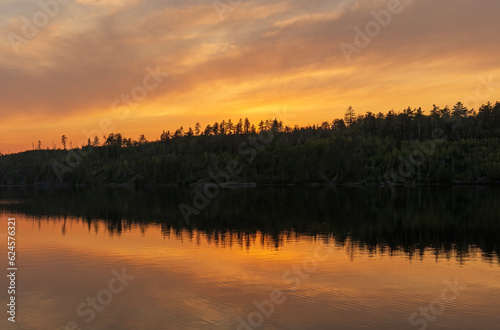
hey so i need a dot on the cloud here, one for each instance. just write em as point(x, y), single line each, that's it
point(260, 56)
point(106, 2)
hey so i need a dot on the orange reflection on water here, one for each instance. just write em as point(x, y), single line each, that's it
point(198, 280)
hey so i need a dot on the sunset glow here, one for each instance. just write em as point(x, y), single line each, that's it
point(255, 59)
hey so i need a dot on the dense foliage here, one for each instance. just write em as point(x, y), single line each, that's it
point(447, 145)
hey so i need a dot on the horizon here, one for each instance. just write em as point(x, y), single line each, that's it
point(57, 145)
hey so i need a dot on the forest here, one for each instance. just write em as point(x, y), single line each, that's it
point(446, 145)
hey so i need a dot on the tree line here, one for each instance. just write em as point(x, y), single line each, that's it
point(462, 146)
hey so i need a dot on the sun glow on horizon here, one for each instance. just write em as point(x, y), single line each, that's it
point(250, 62)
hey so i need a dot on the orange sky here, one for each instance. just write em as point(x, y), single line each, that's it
point(255, 59)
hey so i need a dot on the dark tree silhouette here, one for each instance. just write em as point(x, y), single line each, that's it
point(64, 139)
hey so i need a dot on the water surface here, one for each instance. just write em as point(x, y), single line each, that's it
point(350, 258)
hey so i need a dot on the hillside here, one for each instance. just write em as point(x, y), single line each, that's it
point(446, 146)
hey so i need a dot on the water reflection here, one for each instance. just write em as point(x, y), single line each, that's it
point(391, 256)
point(449, 221)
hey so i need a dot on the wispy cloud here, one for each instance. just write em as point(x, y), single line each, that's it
point(263, 55)
point(106, 2)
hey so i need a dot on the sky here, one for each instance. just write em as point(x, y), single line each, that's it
point(91, 67)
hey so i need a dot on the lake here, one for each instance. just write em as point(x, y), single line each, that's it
point(267, 257)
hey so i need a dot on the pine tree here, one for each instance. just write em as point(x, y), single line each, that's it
point(197, 129)
point(350, 116)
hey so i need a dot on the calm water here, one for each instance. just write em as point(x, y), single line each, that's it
point(271, 258)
